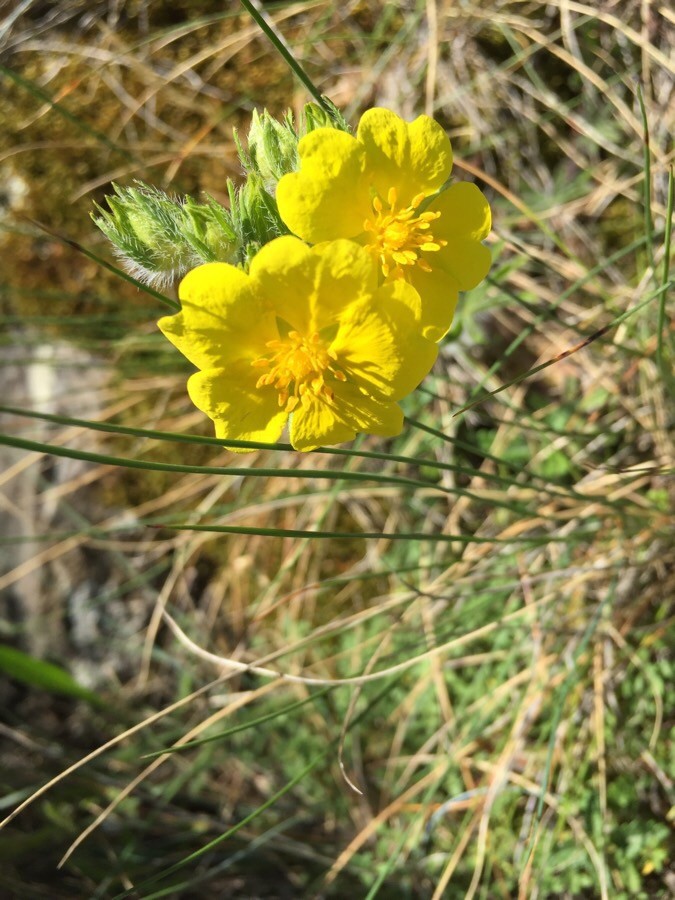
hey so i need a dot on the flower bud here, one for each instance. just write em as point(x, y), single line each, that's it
point(324, 116)
point(159, 238)
point(272, 148)
point(256, 216)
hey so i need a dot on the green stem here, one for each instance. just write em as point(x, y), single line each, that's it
point(649, 224)
point(283, 49)
point(662, 363)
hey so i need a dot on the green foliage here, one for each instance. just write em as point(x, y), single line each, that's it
point(42, 674)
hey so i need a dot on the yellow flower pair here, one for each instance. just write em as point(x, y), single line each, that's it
point(331, 336)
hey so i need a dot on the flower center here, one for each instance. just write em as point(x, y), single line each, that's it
point(398, 237)
point(296, 367)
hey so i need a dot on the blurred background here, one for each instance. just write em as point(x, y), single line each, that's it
point(461, 683)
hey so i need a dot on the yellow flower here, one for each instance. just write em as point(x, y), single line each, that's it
point(371, 188)
point(308, 335)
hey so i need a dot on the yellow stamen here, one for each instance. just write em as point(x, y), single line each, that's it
point(399, 237)
point(296, 368)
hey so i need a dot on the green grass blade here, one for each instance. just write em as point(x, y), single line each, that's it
point(663, 362)
point(42, 674)
point(284, 51)
point(647, 182)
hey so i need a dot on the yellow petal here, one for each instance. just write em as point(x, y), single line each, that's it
point(464, 221)
point(346, 272)
point(284, 271)
point(467, 262)
point(309, 288)
point(239, 410)
point(439, 293)
point(430, 154)
point(321, 423)
point(218, 307)
point(368, 414)
point(464, 213)
point(402, 302)
point(318, 425)
point(414, 158)
point(329, 197)
point(377, 350)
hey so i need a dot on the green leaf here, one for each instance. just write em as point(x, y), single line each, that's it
point(42, 674)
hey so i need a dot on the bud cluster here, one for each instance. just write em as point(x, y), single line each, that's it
point(159, 238)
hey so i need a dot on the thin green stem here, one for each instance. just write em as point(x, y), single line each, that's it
point(438, 465)
point(180, 468)
point(662, 363)
point(647, 183)
point(166, 873)
point(282, 47)
point(172, 304)
point(257, 531)
point(251, 723)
